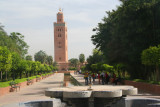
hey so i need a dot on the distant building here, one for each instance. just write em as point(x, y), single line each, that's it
point(60, 42)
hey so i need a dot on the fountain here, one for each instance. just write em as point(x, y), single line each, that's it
point(94, 96)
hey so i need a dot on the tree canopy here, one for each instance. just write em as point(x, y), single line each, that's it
point(74, 62)
point(127, 31)
point(40, 56)
point(81, 58)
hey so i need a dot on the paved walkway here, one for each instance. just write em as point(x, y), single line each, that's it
point(141, 94)
point(33, 92)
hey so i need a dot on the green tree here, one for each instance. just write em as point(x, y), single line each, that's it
point(29, 68)
point(42, 68)
point(107, 67)
point(5, 61)
point(22, 47)
point(34, 68)
point(55, 64)
point(127, 31)
point(38, 67)
point(29, 57)
point(23, 68)
point(97, 57)
point(5, 40)
point(81, 58)
point(15, 64)
point(151, 57)
point(74, 62)
point(49, 60)
point(94, 67)
point(40, 56)
point(120, 68)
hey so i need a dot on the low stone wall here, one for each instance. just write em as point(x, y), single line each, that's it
point(6, 90)
point(153, 88)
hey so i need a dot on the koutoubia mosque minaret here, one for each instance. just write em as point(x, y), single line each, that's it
point(60, 42)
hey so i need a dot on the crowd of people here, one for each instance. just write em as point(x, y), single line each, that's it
point(103, 78)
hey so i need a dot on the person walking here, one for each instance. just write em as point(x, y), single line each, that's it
point(99, 77)
point(93, 76)
point(90, 78)
point(106, 78)
point(86, 78)
point(114, 78)
point(102, 77)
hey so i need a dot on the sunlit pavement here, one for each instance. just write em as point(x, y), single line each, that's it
point(33, 92)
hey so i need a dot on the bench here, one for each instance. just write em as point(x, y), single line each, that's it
point(29, 82)
point(14, 86)
point(38, 79)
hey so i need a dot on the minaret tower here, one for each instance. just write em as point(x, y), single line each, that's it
point(60, 42)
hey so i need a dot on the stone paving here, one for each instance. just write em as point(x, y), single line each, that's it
point(141, 94)
point(33, 92)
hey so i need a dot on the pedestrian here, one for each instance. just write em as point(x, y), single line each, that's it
point(109, 78)
point(90, 78)
point(99, 77)
point(102, 77)
point(114, 78)
point(86, 78)
point(106, 78)
point(93, 76)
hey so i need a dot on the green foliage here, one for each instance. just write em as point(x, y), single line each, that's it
point(83, 68)
point(15, 61)
point(5, 60)
point(40, 56)
point(81, 58)
point(22, 47)
point(96, 58)
point(107, 68)
point(127, 31)
point(94, 67)
point(13, 48)
point(151, 56)
point(15, 64)
point(5, 40)
point(72, 68)
point(55, 64)
point(14, 42)
point(29, 57)
point(49, 60)
point(74, 62)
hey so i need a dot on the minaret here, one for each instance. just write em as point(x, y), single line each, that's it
point(60, 42)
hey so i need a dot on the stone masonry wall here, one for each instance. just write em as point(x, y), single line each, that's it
point(144, 86)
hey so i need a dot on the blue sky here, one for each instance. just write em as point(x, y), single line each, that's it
point(34, 19)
